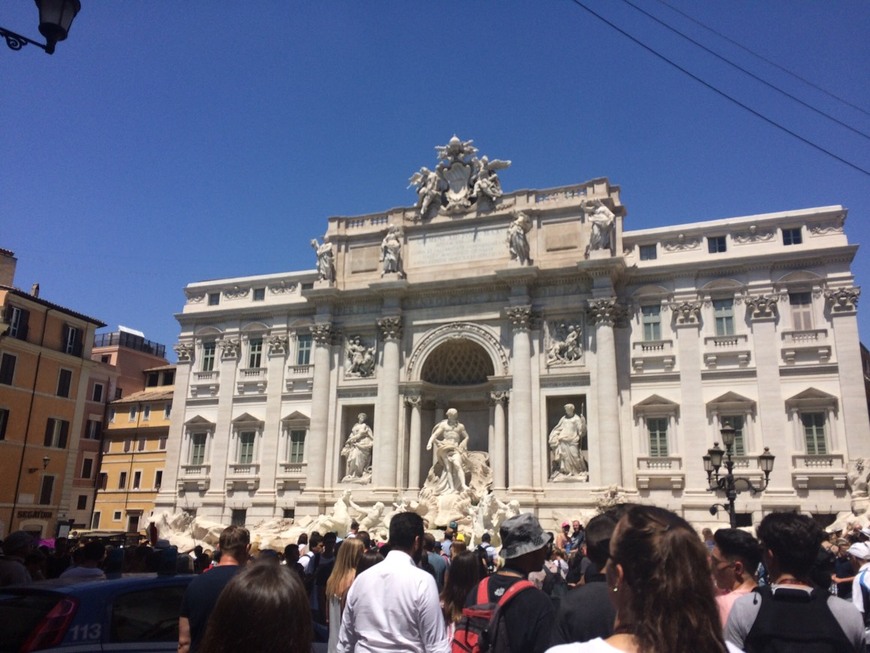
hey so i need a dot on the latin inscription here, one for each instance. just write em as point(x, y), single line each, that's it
point(441, 249)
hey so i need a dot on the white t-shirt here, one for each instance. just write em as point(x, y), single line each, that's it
point(598, 645)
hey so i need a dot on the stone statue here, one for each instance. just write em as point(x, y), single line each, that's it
point(601, 218)
point(358, 451)
point(518, 244)
point(371, 519)
point(451, 451)
point(565, 441)
point(566, 344)
point(325, 259)
point(391, 252)
point(486, 183)
point(360, 358)
point(428, 185)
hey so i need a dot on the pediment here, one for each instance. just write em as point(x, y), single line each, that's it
point(296, 418)
point(199, 421)
point(656, 405)
point(247, 418)
point(812, 398)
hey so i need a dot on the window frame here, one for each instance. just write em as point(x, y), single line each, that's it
point(198, 450)
point(18, 319)
point(259, 294)
point(723, 320)
point(304, 345)
point(122, 480)
point(818, 438)
point(246, 447)
point(98, 396)
point(295, 453)
point(717, 244)
point(4, 422)
point(208, 354)
point(255, 353)
point(657, 436)
point(56, 433)
point(8, 363)
point(46, 489)
point(87, 466)
point(654, 325)
point(64, 382)
point(801, 313)
point(792, 236)
point(644, 252)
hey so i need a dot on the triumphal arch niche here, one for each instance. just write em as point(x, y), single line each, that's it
point(476, 316)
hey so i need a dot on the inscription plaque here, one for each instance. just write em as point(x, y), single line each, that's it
point(441, 249)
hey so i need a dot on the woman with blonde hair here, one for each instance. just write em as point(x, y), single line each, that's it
point(339, 582)
point(661, 588)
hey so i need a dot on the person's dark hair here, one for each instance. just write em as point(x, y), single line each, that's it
point(486, 537)
point(234, 541)
point(368, 560)
point(404, 529)
point(794, 540)
point(366, 538)
point(599, 530)
point(667, 604)
point(263, 608)
point(302, 539)
point(462, 575)
point(314, 540)
point(291, 554)
point(823, 569)
point(428, 541)
point(93, 551)
point(329, 543)
point(354, 525)
point(738, 545)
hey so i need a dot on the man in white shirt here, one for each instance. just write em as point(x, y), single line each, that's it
point(394, 605)
point(860, 556)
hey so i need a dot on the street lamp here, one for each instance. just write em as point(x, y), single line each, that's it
point(55, 19)
point(728, 483)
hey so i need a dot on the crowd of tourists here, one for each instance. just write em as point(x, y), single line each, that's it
point(636, 578)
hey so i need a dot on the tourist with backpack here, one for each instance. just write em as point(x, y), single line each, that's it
point(505, 612)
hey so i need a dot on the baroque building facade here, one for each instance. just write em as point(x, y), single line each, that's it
point(508, 307)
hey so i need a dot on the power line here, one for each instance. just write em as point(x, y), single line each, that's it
point(765, 59)
point(722, 93)
point(747, 72)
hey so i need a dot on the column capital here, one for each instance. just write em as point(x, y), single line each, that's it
point(762, 306)
point(520, 316)
point(686, 312)
point(184, 350)
point(843, 300)
point(413, 400)
point(605, 312)
point(229, 348)
point(322, 333)
point(277, 345)
point(391, 327)
point(499, 396)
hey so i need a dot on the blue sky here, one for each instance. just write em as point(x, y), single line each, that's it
point(171, 142)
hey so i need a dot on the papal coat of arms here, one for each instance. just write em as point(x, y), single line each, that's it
point(459, 181)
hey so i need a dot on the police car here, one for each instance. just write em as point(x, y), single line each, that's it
point(135, 612)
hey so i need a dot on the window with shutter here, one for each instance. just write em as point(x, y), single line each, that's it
point(7, 369)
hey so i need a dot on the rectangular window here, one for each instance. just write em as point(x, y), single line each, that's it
point(72, 340)
point(648, 253)
point(238, 517)
point(103, 481)
point(111, 416)
point(119, 392)
point(116, 516)
point(738, 423)
point(168, 377)
point(197, 448)
point(56, 432)
point(128, 444)
point(95, 520)
point(142, 444)
point(208, 351)
point(82, 502)
point(259, 294)
point(814, 433)
point(137, 480)
point(46, 490)
point(255, 352)
point(214, 298)
point(296, 452)
point(658, 436)
point(801, 304)
point(246, 447)
point(716, 244)
point(723, 314)
point(7, 368)
point(122, 481)
point(651, 316)
point(167, 409)
point(92, 430)
point(64, 379)
point(87, 467)
point(98, 393)
point(132, 414)
point(4, 421)
point(146, 412)
point(158, 479)
point(792, 236)
point(303, 349)
point(153, 380)
point(17, 318)
point(161, 443)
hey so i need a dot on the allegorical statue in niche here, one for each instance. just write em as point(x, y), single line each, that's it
point(428, 186)
point(518, 243)
point(565, 441)
point(450, 441)
point(565, 345)
point(391, 252)
point(325, 259)
point(358, 451)
point(601, 218)
point(360, 358)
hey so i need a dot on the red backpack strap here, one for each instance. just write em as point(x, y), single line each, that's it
point(513, 590)
point(483, 591)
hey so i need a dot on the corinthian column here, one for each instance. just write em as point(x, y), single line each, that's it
point(315, 446)
point(386, 447)
point(521, 404)
point(499, 441)
point(414, 402)
point(603, 313)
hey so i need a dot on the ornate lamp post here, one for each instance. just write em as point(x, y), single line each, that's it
point(55, 19)
point(728, 483)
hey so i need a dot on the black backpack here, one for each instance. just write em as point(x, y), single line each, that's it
point(792, 620)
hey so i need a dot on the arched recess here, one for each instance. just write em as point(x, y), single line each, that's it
point(207, 331)
point(721, 285)
point(254, 327)
point(451, 333)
